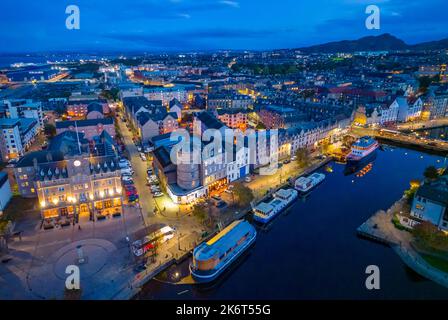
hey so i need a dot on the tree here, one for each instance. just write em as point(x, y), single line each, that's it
point(111, 94)
point(303, 157)
point(49, 130)
point(430, 236)
point(431, 173)
point(200, 212)
point(242, 194)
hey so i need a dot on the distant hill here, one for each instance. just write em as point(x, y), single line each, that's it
point(384, 42)
point(431, 45)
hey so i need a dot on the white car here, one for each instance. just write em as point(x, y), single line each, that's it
point(158, 194)
point(128, 172)
point(247, 179)
point(126, 178)
point(143, 156)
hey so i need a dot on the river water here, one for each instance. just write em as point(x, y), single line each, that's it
point(312, 251)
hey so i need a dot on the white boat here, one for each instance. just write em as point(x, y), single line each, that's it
point(362, 150)
point(306, 184)
point(265, 212)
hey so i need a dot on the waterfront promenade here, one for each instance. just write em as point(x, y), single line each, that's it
point(380, 228)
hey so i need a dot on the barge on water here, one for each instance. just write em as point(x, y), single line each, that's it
point(265, 212)
point(305, 184)
point(212, 258)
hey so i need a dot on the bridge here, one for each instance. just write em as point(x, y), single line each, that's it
point(420, 125)
point(408, 140)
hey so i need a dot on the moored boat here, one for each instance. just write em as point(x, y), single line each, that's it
point(305, 184)
point(265, 212)
point(211, 258)
point(364, 149)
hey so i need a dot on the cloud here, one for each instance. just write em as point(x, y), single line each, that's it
point(229, 3)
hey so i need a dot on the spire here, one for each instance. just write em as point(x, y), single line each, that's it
point(77, 137)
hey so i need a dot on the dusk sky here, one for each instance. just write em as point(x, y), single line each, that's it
point(156, 25)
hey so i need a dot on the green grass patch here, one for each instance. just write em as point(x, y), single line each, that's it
point(436, 262)
point(398, 224)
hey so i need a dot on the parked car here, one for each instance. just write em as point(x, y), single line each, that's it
point(132, 193)
point(149, 172)
point(158, 194)
point(128, 183)
point(127, 178)
point(248, 179)
point(139, 149)
point(143, 156)
point(127, 172)
point(124, 165)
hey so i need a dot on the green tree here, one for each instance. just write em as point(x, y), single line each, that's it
point(303, 157)
point(243, 195)
point(430, 236)
point(200, 212)
point(431, 173)
point(49, 130)
point(111, 94)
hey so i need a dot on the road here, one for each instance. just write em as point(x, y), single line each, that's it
point(188, 228)
point(145, 196)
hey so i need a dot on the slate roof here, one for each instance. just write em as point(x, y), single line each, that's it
point(162, 155)
point(40, 156)
point(436, 191)
point(209, 120)
point(84, 123)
